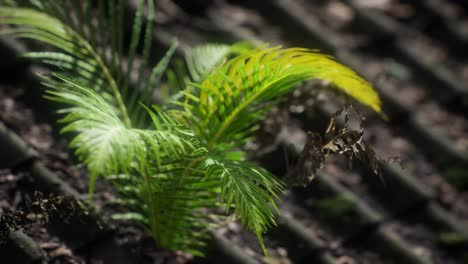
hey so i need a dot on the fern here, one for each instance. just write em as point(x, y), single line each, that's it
point(225, 108)
point(169, 166)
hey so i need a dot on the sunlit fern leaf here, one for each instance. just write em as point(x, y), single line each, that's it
point(234, 97)
point(103, 142)
point(202, 59)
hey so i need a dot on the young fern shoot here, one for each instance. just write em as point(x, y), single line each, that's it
point(170, 166)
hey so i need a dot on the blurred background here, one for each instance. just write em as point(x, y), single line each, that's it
point(413, 52)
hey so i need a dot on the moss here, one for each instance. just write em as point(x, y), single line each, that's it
point(388, 261)
point(464, 258)
point(450, 238)
point(334, 207)
point(458, 177)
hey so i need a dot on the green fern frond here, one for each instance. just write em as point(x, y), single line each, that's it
point(227, 105)
point(234, 97)
point(103, 142)
point(250, 190)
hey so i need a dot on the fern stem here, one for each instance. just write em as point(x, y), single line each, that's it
point(110, 79)
point(92, 185)
point(100, 27)
point(107, 74)
point(115, 89)
point(113, 36)
point(120, 38)
point(192, 164)
point(153, 208)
